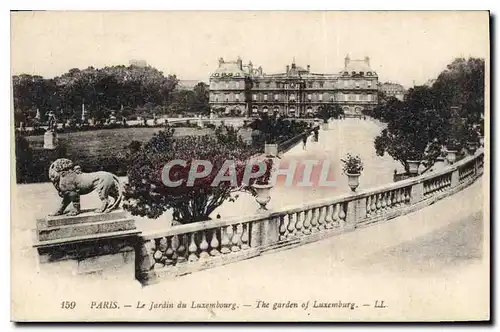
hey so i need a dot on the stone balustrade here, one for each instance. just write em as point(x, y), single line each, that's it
point(192, 247)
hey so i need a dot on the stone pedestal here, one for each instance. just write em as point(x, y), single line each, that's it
point(89, 243)
point(50, 140)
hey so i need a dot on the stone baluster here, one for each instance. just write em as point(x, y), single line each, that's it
point(214, 243)
point(373, 207)
point(335, 215)
point(379, 203)
point(342, 213)
point(182, 250)
point(314, 220)
point(300, 222)
point(204, 245)
point(389, 199)
point(307, 222)
point(408, 195)
point(245, 238)
point(321, 218)
point(226, 234)
point(168, 250)
point(236, 240)
point(283, 227)
point(193, 248)
point(291, 225)
point(174, 245)
point(383, 203)
point(328, 217)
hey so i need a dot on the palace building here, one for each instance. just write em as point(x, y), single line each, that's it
point(240, 89)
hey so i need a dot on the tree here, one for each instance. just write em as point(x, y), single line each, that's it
point(414, 131)
point(147, 195)
point(330, 111)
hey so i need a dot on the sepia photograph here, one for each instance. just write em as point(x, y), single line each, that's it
point(250, 166)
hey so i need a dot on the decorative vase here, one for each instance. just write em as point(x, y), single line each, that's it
point(471, 147)
point(451, 155)
point(271, 149)
point(413, 166)
point(353, 180)
point(262, 195)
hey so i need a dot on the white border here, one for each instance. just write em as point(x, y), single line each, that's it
point(6, 6)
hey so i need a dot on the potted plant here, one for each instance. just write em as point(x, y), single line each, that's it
point(352, 168)
point(452, 148)
point(261, 187)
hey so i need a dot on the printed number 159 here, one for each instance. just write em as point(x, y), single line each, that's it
point(68, 305)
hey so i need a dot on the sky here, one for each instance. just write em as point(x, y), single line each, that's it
point(404, 47)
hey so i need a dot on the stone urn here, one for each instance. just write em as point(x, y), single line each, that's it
point(263, 194)
point(324, 126)
point(471, 148)
point(413, 166)
point(271, 149)
point(451, 156)
point(353, 180)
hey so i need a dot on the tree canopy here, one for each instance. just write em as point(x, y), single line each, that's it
point(124, 90)
point(448, 113)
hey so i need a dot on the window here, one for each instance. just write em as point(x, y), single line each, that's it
point(320, 97)
point(346, 84)
point(369, 84)
point(309, 97)
point(369, 73)
point(237, 97)
point(256, 84)
point(227, 97)
point(292, 97)
point(227, 85)
point(309, 84)
point(216, 98)
point(276, 96)
point(357, 84)
point(321, 84)
point(265, 96)
point(361, 73)
point(352, 97)
point(268, 85)
point(254, 97)
point(237, 85)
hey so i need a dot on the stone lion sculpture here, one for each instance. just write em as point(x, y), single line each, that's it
point(71, 183)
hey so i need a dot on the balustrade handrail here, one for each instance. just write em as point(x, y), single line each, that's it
point(274, 213)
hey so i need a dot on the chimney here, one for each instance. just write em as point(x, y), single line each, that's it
point(287, 68)
point(250, 67)
point(367, 60)
point(347, 60)
point(309, 68)
point(221, 61)
point(240, 63)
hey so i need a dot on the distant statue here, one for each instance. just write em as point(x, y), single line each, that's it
point(52, 122)
point(71, 183)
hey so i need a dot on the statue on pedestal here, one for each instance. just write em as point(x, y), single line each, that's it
point(71, 183)
point(50, 136)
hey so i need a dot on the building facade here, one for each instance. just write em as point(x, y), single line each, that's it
point(393, 90)
point(239, 89)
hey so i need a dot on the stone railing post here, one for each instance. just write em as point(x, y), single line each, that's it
point(455, 178)
point(417, 192)
point(356, 211)
point(265, 232)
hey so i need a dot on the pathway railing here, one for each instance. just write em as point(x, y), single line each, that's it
point(192, 247)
